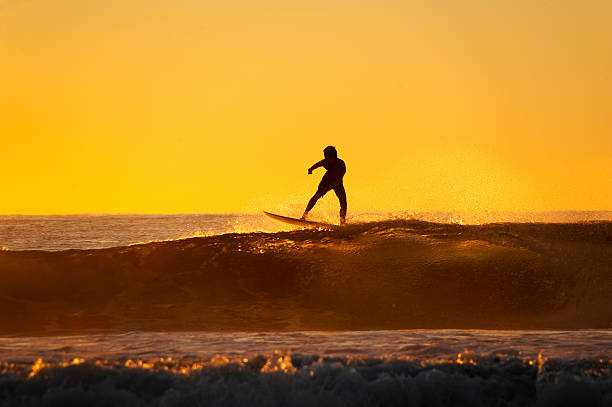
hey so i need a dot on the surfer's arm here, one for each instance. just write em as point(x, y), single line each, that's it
point(315, 166)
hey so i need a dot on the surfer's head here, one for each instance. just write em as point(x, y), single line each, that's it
point(330, 152)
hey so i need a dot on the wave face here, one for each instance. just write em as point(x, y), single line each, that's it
point(382, 275)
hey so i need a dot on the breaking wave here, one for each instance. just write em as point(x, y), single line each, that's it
point(397, 274)
point(282, 379)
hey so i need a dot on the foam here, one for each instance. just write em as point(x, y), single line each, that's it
point(282, 379)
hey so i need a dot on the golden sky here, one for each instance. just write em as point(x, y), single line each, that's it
point(182, 106)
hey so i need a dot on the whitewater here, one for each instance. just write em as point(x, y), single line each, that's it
point(394, 309)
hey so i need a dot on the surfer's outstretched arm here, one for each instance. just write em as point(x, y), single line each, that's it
point(315, 166)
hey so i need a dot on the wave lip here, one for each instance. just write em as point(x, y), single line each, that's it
point(381, 275)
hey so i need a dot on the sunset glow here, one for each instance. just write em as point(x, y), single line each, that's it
point(221, 106)
point(306, 202)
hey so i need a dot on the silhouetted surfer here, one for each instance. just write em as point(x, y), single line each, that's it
point(331, 180)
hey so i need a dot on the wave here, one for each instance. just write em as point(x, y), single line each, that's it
point(283, 379)
point(396, 274)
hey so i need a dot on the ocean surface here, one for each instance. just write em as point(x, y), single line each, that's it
point(423, 309)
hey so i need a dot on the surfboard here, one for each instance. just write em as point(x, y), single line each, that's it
point(300, 222)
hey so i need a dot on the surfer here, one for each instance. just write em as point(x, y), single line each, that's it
point(331, 180)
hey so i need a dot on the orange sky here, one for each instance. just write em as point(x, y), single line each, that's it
point(159, 106)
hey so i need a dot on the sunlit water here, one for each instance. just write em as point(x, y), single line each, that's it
point(429, 345)
point(63, 232)
point(397, 367)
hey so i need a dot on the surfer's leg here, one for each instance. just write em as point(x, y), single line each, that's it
point(312, 202)
point(341, 194)
point(322, 190)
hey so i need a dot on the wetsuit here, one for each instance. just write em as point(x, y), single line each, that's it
point(331, 180)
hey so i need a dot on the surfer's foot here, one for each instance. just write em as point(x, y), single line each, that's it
point(304, 216)
point(342, 222)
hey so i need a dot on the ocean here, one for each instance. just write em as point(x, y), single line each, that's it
point(417, 309)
